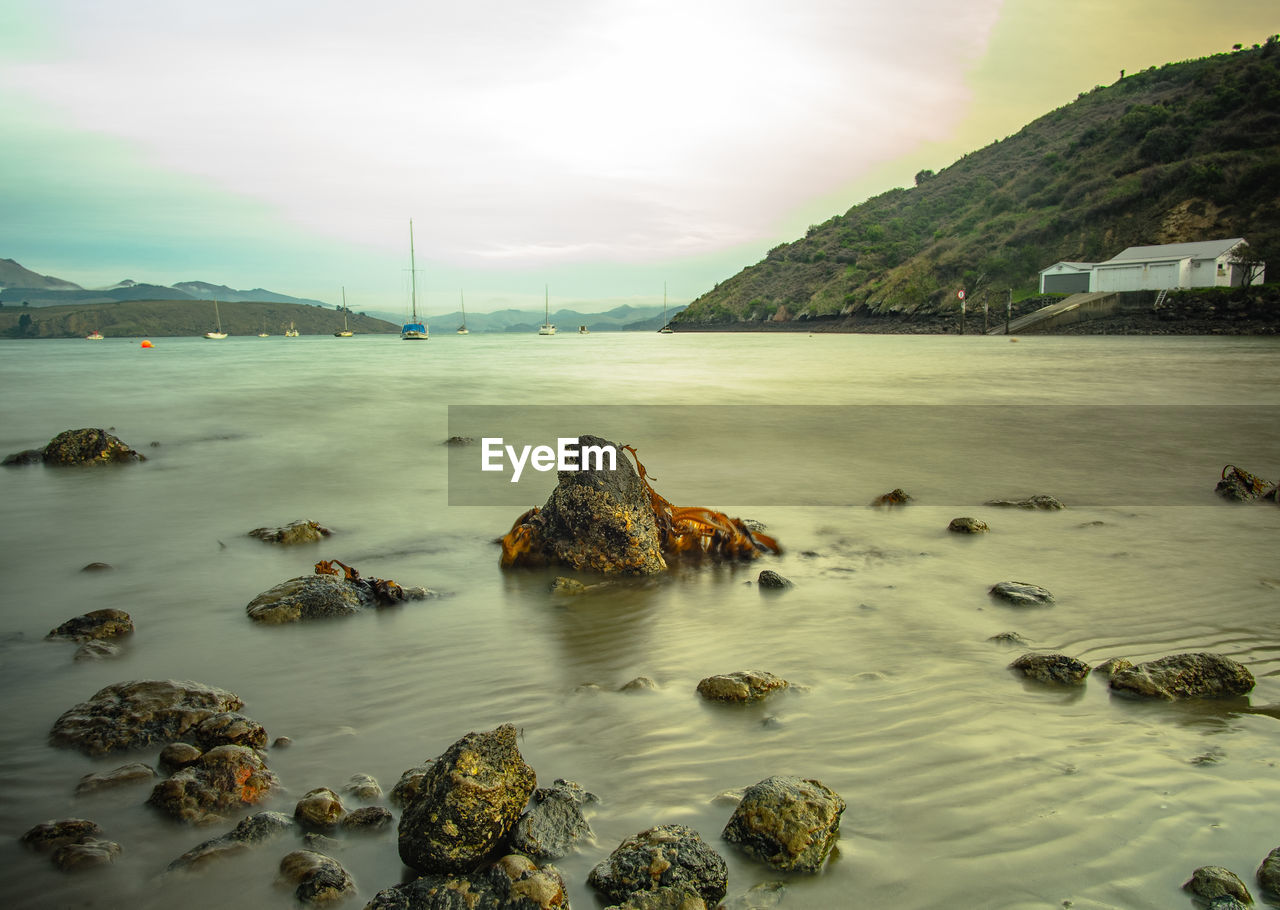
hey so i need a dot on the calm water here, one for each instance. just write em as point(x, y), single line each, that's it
point(966, 787)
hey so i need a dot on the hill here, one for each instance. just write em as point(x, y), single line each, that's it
point(1187, 151)
point(13, 275)
point(166, 318)
point(20, 285)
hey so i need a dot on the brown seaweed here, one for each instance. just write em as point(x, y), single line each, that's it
point(382, 590)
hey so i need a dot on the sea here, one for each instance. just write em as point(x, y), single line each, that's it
point(966, 785)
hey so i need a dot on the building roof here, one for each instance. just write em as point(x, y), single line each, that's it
point(1203, 249)
point(1077, 266)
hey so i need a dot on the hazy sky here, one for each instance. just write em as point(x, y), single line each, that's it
point(600, 147)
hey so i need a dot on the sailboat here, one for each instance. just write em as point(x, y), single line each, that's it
point(462, 329)
point(291, 332)
point(666, 326)
point(263, 333)
point(415, 330)
point(219, 333)
point(546, 328)
point(344, 332)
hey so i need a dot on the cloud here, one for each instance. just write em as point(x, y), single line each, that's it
point(520, 134)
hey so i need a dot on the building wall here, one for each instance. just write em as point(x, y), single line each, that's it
point(1065, 283)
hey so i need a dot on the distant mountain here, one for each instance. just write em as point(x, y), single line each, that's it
point(625, 318)
point(13, 275)
point(203, 290)
point(1187, 151)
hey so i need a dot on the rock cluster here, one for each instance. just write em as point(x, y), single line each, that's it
point(129, 715)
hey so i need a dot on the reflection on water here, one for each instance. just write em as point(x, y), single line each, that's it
point(1009, 794)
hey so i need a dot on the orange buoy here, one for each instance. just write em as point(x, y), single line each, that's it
point(147, 344)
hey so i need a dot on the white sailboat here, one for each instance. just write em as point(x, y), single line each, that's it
point(415, 330)
point(219, 333)
point(546, 328)
point(291, 332)
point(344, 332)
point(462, 329)
point(666, 326)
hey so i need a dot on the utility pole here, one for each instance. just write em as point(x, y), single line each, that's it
point(1008, 310)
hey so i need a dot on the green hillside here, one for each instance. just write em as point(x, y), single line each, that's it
point(1187, 151)
point(162, 318)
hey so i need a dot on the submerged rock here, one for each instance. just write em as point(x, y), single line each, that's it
point(895, 497)
point(967, 525)
point(86, 854)
point(1040, 501)
point(741, 686)
point(367, 818)
point(319, 810)
point(320, 879)
point(97, 624)
point(251, 832)
point(364, 787)
point(130, 715)
point(665, 856)
point(1020, 594)
point(769, 579)
point(1054, 669)
point(788, 822)
point(48, 836)
point(126, 774)
point(96, 649)
point(320, 596)
point(512, 883)
point(302, 531)
point(1195, 675)
point(554, 823)
point(223, 780)
point(87, 446)
point(1214, 882)
point(467, 804)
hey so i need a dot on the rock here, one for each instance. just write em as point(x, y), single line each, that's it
point(96, 650)
point(224, 779)
point(512, 883)
point(567, 586)
point(87, 446)
point(1041, 501)
point(1055, 669)
point(1269, 874)
point(406, 789)
point(302, 531)
point(741, 686)
point(282, 742)
point(761, 896)
point(86, 854)
point(176, 756)
point(460, 441)
point(896, 497)
point(96, 567)
point(367, 818)
point(598, 521)
point(251, 832)
point(468, 802)
point(125, 774)
point(769, 579)
point(130, 715)
point(48, 836)
point(1008, 638)
point(1212, 882)
point(639, 684)
point(790, 823)
point(1112, 666)
point(1020, 594)
point(967, 525)
point(319, 810)
point(664, 856)
point(320, 879)
point(554, 823)
point(1238, 485)
point(307, 597)
point(679, 897)
point(363, 786)
point(97, 624)
point(1197, 675)
point(228, 728)
point(25, 457)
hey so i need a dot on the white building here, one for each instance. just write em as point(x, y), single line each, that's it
point(1204, 264)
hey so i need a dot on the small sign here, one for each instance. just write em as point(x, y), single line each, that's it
point(960, 293)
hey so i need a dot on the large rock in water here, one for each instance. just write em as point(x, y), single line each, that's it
point(600, 520)
point(513, 883)
point(467, 804)
point(787, 822)
point(88, 446)
point(225, 779)
point(666, 856)
point(1198, 675)
point(129, 715)
point(554, 822)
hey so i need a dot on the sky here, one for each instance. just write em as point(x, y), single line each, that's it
point(597, 150)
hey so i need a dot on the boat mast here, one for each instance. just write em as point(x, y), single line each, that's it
point(413, 274)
